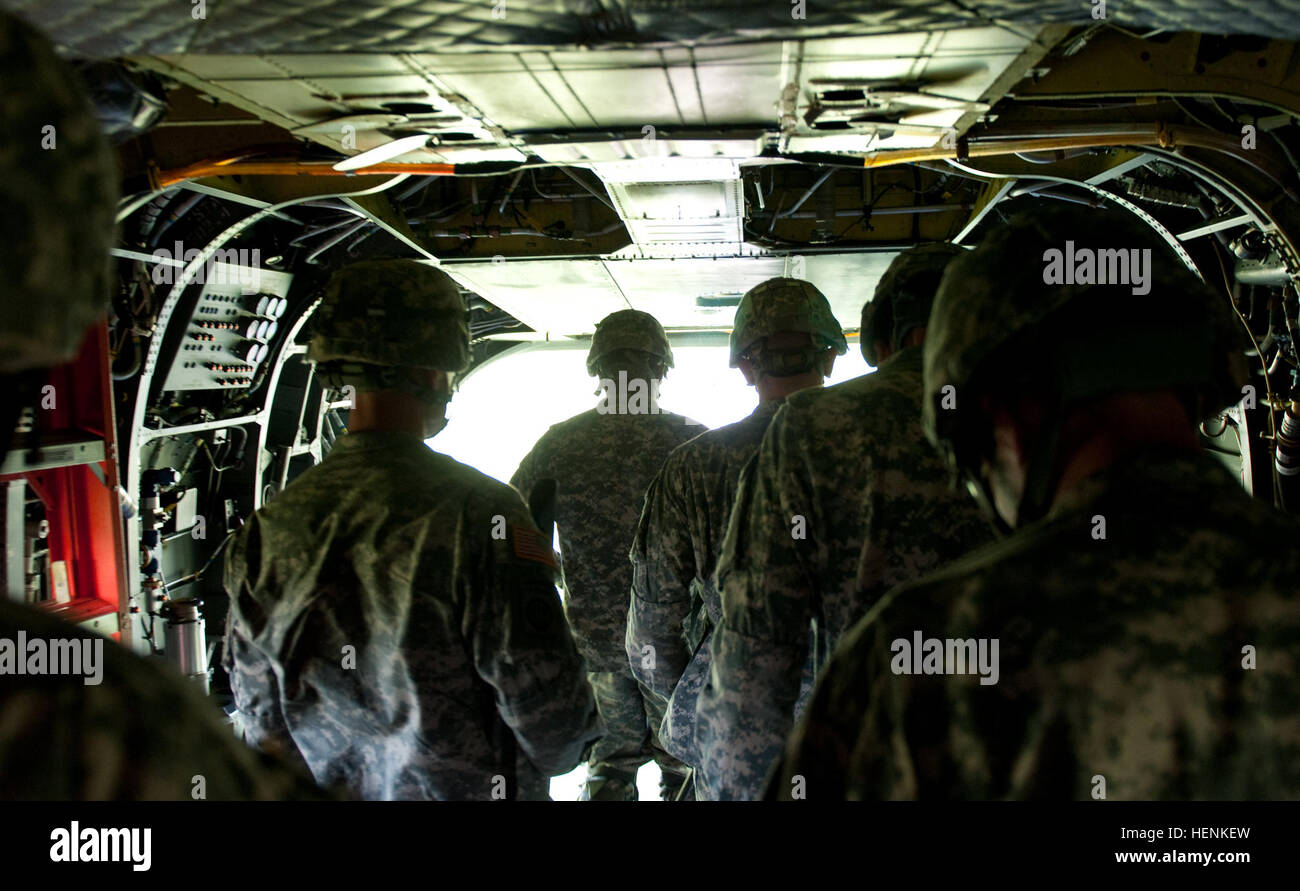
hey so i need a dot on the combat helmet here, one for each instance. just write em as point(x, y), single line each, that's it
point(904, 296)
point(59, 196)
point(379, 316)
point(628, 329)
point(1007, 318)
point(785, 305)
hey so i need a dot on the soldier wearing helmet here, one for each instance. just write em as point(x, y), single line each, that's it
point(130, 729)
point(852, 461)
point(1107, 647)
point(784, 339)
point(392, 327)
point(590, 472)
point(393, 613)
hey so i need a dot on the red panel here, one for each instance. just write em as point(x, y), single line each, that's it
point(83, 512)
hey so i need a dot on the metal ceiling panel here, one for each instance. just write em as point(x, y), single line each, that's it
point(523, 100)
point(929, 80)
point(226, 66)
point(912, 87)
point(609, 152)
point(101, 28)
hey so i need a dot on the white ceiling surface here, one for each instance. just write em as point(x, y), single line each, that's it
point(678, 193)
point(568, 297)
point(523, 93)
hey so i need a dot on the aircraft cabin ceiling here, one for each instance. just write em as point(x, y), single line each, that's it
point(106, 28)
point(678, 193)
point(667, 156)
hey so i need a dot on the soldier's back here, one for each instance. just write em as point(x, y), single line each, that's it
point(123, 729)
point(361, 586)
point(1146, 635)
point(704, 476)
point(878, 498)
point(602, 464)
point(700, 479)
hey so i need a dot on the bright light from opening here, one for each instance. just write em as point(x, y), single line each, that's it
point(505, 406)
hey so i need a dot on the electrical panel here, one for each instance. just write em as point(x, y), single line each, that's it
point(229, 335)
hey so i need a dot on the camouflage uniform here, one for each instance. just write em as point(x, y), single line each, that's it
point(601, 463)
point(674, 600)
point(1119, 659)
point(1145, 649)
point(393, 613)
point(877, 509)
point(59, 192)
point(141, 734)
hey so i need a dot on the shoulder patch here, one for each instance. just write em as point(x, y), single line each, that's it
point(528, 545)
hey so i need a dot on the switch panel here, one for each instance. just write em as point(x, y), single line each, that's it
point(232, 330)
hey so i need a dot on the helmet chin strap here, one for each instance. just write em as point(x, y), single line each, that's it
point(983, 495)
point(1036, 497)
point(1040, 473)
point(371, 377)
point(442, 425)
point(428, 395)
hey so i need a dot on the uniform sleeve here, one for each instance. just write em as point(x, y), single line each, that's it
point(868, 733)
point(521, 646)
point(663, 568)
point(818, 756)
point(760, 646)
point(252, 678)
point(138, 732)
point(530, 470)
point(815, 760)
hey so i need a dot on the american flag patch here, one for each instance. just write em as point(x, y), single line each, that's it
point(529, 546)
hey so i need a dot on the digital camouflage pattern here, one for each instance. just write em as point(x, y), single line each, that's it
point(142, 734)
point(402, 313)
point(1121, 659)
point(678, 538)
point(630, 719)
point(877, 509)
point(844, 500)
point(628, 329)
point(59, 194)
point(431, 579)
point(601, 464)
point(785, 305)
point(904, 296)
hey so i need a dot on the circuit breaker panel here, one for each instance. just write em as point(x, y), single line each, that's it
point(228, 336)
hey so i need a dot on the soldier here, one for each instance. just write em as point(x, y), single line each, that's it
point(598, 465)
point(1135, 636)
point(846, 500)
point(128, 729)
point(785, 339)
point(60, 195)
point(125, 729)
point(393, 614)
